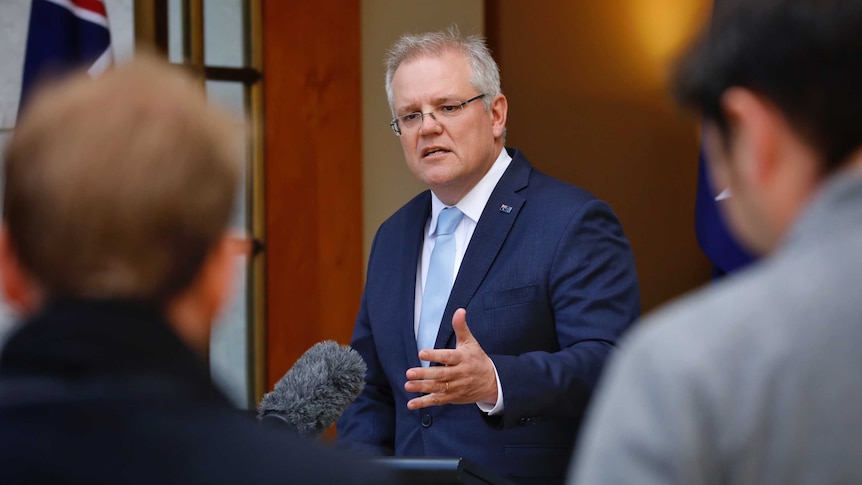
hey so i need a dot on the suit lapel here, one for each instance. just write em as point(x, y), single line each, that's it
point(491, 232)
point(411, 252)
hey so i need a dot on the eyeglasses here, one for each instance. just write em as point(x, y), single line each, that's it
point(415, 119)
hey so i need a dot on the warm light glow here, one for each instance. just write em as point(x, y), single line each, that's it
point(661, 28)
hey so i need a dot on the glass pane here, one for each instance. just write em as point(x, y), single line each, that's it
point(175, 31)
point(13, 39)
point(231, 96)
point(229, 358)
point(238, 218)
point(229, 342)
point(224, 33)
point(121, 19)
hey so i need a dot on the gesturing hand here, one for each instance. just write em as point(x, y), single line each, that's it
point(468, 375)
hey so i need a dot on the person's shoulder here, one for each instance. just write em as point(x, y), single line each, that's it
point(540, 187)
point(721, 321)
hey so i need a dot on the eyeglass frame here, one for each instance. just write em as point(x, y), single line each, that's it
point(394, 123)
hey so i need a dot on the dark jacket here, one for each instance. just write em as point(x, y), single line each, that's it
point(105, 392)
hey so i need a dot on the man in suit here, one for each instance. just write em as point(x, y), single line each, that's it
point(540, 269)
point(756, 379)
point(115, 249)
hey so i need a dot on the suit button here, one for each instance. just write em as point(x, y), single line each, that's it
point(426, 420)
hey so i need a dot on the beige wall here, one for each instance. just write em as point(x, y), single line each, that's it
point(587, 103)
point(387, 184)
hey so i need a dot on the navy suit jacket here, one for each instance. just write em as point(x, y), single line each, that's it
point(549, 286)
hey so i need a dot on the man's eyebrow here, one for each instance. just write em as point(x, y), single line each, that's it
point(414, 107)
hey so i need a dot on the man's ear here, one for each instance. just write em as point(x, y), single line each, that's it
point(754, 126)
point(19, 290)
point(499, 112)
point(193, 312)
point(775, 167)
point(219, 272)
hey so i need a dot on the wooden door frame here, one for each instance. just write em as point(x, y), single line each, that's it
point(313, 179)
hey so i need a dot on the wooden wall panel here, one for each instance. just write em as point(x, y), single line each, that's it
point(313, 175)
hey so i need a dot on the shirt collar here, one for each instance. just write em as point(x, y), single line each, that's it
point(476, 199)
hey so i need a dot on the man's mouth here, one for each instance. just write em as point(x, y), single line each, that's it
point(430, 151)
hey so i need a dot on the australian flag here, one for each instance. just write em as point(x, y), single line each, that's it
point(713, 236)
point(65, 35)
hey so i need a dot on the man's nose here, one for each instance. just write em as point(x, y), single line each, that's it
point(431, 125)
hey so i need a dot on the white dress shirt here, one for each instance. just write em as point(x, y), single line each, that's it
point(472, 206)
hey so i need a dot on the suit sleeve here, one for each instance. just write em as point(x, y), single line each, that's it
point(594, 296)
point(368, 424)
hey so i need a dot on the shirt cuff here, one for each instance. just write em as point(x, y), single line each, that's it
point(494, 409)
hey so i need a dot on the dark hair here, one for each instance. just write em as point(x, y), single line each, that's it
point(804, 56)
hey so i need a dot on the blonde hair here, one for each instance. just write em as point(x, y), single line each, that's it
point(119, 187)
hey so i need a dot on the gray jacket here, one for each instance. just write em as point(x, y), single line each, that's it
point(754, 380)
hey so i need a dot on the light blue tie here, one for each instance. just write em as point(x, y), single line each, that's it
point(438, 282)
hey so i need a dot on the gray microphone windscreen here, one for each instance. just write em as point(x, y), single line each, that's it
point(314, 393)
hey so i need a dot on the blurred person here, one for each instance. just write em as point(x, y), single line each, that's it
point(755, 379)
point(115, 249)
point(539, 268)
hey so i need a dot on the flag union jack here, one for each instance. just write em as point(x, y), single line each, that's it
point(65, 35)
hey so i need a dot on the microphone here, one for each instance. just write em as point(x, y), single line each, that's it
point(315, 391)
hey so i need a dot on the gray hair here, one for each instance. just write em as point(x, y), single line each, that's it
point(486, 73)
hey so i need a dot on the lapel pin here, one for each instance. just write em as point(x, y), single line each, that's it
point(505, 208)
